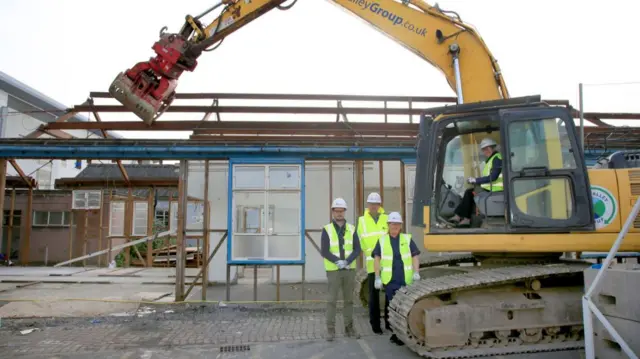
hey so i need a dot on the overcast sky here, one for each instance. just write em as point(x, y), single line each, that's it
point(67, 48)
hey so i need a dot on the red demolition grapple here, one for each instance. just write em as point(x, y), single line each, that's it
point(148, 88)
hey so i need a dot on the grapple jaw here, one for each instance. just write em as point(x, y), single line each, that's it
point(135, 97)
point(148, 88)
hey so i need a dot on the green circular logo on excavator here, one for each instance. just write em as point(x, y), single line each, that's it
point(605, 207)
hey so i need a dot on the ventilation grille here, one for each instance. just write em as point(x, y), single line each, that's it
point(634, 181)
point(234, 348)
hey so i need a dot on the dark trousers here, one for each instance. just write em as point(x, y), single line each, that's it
point(374, 303)
point(389, 292)
point(467, 206)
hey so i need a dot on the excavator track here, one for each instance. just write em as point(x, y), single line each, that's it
point(454, 337)
point(427, 260)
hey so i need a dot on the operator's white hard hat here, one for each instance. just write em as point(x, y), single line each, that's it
point(374, 198)
point(394, 217)
point(339, 203)
point(487, 142)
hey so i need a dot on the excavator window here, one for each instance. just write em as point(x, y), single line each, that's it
point(538, 144)
point(460, 158)
point(544, 176)
point(548, 185)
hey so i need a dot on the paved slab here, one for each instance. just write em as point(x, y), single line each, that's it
point(189, 331)
point(365, 348)
point(58, 299)
point(93, 275)
point(42, 271)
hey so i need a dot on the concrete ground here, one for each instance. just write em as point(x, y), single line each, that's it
point(367, 348)
point(204, 331)
point(77, 292)
point(112, 327)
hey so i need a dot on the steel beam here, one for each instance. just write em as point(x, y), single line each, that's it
point(42, 129)
point(244, 127)
point(321, 110)
point(264, 109)
point(303, 97)
point(589, 116)
point(185, 149)
point(123, 172)
point(315, 97)
point(62, 118)
point(105, 135)
point(280, 128)
point(29, 181)
point(114, 183)
point(316, 140)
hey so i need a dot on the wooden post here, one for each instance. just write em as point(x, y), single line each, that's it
point(26, 242)
point(85, 233)
point(403, 199)
point(359, 197)
point(206, 235)
point(110, 242)
point(150, 218)
point(10, 228)
point(3, 187)
point(72, 229)
point(167, 240)
point(128, 221)
point(330, 189)
point(182, 205)
point(100, 224)
point(277, 283)
point(198, 258)
point(381, 174)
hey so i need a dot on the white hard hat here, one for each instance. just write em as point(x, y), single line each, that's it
point(394, 217)
point(339, 203)
point(374, 198)
point(487, 142)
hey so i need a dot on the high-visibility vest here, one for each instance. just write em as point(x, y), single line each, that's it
point(495, 186)
point(386, 258)
point(369, 232)
point(334, 245)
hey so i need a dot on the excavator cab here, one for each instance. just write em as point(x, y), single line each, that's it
point(546, 186)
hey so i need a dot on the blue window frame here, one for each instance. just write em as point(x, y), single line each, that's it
point(258, 218)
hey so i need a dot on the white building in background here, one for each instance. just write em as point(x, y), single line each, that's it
point(23, 110)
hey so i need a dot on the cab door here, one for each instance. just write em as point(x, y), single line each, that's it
point(545, 176)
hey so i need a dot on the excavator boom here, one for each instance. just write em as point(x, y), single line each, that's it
point(443, 40)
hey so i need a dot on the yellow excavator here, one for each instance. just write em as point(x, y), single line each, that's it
point(509, 289)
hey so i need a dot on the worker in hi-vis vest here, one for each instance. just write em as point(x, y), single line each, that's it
point(370, 227)
point(340, 247)
point(396, 263)
point(491, 181)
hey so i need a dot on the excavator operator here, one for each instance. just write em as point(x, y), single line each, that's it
point(490, 181)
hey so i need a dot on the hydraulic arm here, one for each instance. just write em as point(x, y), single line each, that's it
point(439, 37)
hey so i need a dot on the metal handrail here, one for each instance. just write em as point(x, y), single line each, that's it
point(588, 307)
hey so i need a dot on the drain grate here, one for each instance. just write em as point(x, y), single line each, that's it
point(234, 348)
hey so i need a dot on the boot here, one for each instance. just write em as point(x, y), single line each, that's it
point(394, 339)
point(350, 332)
